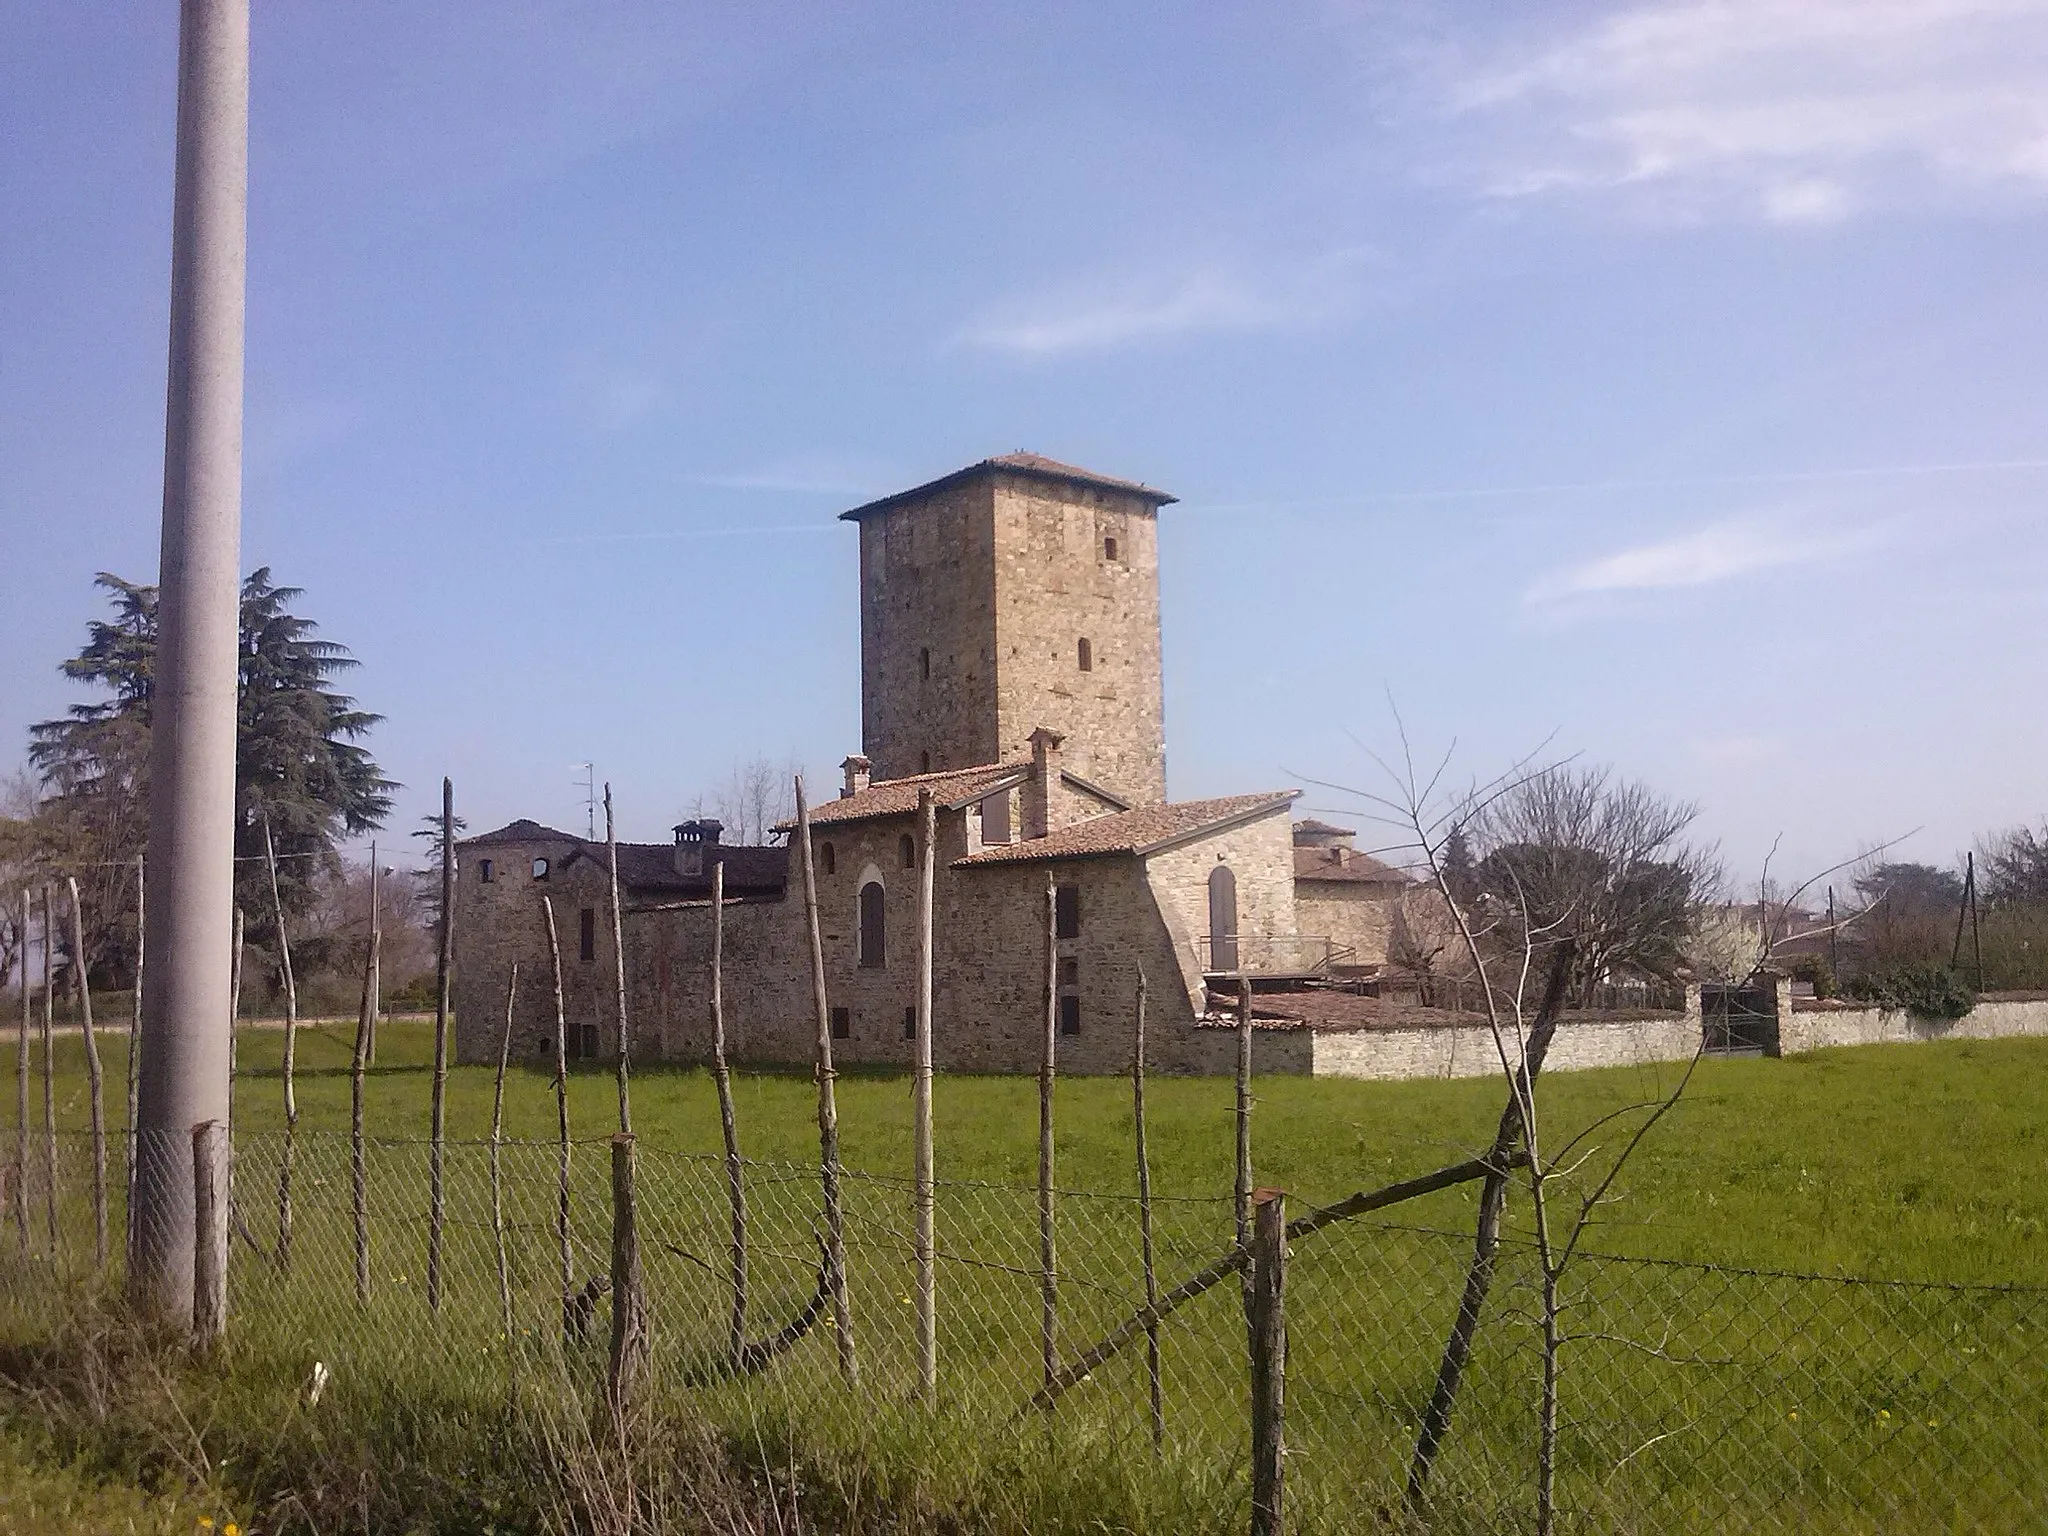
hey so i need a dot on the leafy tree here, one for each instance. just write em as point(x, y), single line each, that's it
point(300, 770)
point(2015, 868)
point(1916, 889)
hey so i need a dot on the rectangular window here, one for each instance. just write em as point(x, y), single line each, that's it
point(483, 867)
point(995, 818)
point(842, 1023)
point(1070, 1015)
point(910, 1023)
point(1070, 973)
point(590, 1047)
point(586, 933)
point(1066, 912)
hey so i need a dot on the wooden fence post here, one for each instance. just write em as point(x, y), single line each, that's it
point(498, 1180)
point(1241, 1188)
point(22, 1054)
point(291, 1054)
point(629, 1300)
point(728, 1125)
point(134, 1063)
point(49, 1081)
point(828, 1108)
point(921, 1109)
point(1269, 1358)
point(358, 1161)
point(95, 1079)
point(566, 1253)
point(444, 963)
point(611, 840)
point(1154, 1388)
point(210, 1156)
point(1048, 1060)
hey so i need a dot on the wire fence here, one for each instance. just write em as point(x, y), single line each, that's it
point(1691, 1397)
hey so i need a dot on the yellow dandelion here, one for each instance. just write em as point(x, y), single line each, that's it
point(1932, 1425)
point(1793, 1415)
point(1884, 1413)
point(206, 1522)
point(231, 1529)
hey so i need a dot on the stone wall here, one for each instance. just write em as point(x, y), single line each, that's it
point(1351, 914)
point(1055, 584)
point(1260, 854)
point(1469, 1050)
point(499, 921)
point(1813, 1029)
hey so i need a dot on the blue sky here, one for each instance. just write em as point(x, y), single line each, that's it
point(1663, 380)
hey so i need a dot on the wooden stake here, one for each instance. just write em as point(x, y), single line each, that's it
point(498, 1179)
point(95, 1079)
point(437, 1194)
point(291, 1050)
point(629, 1302)
point(728, 1124)
point(1048, 1271)
point(210, 1157)
point(134, 1057)
point(234, 1043)
point(359, 1173)
point(1155, 1388)
point(611, 842)
point(1241, 1188)
point(1269, 1359)
point(828, 1111)
point(921, 1110)
point(568, 1258)
point(49, 1081)
point(22, 1055)
point(377, 953)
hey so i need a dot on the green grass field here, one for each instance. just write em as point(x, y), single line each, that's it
point(1819, 1407)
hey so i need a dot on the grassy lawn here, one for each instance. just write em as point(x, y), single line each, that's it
point(1925, 1162)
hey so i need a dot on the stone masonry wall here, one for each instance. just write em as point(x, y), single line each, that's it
point(1055, 585)
point(1260, 854)
point(927, 584)
point(1817, 1029)
point(500, 921)
point(1469, 1050)
point(1354, 916)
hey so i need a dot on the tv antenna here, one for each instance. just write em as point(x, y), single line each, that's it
point(589, 783)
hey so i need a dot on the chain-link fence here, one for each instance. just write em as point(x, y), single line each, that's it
point(1689, 1397)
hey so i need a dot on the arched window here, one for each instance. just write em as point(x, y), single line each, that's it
point(874, 952)
point(540, 869)
point(828, 858)
point(1087, 656)
point(907, 846)
point(1222, 919)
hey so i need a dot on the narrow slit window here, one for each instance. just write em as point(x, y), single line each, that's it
point(1109, 548)
point(924, 762)
point(924, 663)
point(1066, 912)
point(842, 1023)
point(483, 869)
point(874, 950)
point(828, 858)
point(586, 933)
point(1070, 1015)
point(1087, 656)
point(906, 846)
point(910, 1023)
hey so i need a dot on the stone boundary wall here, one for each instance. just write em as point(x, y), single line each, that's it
point(1468, 1050)
point(1814, 1029)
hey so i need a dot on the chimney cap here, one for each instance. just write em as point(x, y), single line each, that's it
point(708, 829)
point(1048, 736)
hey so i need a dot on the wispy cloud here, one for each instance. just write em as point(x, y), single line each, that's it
point(1797, 111)
point(1105, 312)
point(1707, 556)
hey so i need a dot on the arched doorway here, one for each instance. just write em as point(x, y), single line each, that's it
point(1222, 919)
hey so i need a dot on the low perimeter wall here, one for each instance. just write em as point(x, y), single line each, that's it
point(1468, 1050)
point(1813, 1029)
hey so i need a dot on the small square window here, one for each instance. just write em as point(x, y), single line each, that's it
point(1070, 1015)
point(910, 1023)
point(1066, 912)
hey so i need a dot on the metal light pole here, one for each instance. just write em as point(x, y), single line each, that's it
point(190, 868)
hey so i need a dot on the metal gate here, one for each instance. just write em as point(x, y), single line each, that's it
point(1740, 1021)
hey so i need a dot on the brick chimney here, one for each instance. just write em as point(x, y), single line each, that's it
point(857, 770)
point(692, 838)
point(1045, 772)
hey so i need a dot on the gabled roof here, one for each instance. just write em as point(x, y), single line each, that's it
point(1324, 829)
point(1147, 830)
point(1034, 466)
point(953, 788)
point(649, 869)
point(1346, 865)
point(520, 831)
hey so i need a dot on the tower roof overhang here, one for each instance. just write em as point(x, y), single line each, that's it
point(1029, 466)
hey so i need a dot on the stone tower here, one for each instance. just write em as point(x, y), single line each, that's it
point(1013, 594)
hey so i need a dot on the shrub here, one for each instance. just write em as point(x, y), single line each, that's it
point(1813, 968)
point(1932, 992)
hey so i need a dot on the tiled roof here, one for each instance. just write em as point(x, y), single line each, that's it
point(1148, 829)
point(898, 797)
point(520, 831)
point(649, 869)
point(1324, 829)
point(1033, 465)
point(1347, 865)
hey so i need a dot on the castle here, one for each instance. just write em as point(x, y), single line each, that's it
point(1010, 665)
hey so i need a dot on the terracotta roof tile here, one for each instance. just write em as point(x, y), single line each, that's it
point(1035, 465)
point(520, 831)
point(898, 797)
point(1347, 865)
point(1147, 829)
point(649, 869)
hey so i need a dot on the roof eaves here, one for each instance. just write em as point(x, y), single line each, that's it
point(1074, 780)
point(997, 466)
point(1008, 781)
point(1250, 813)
